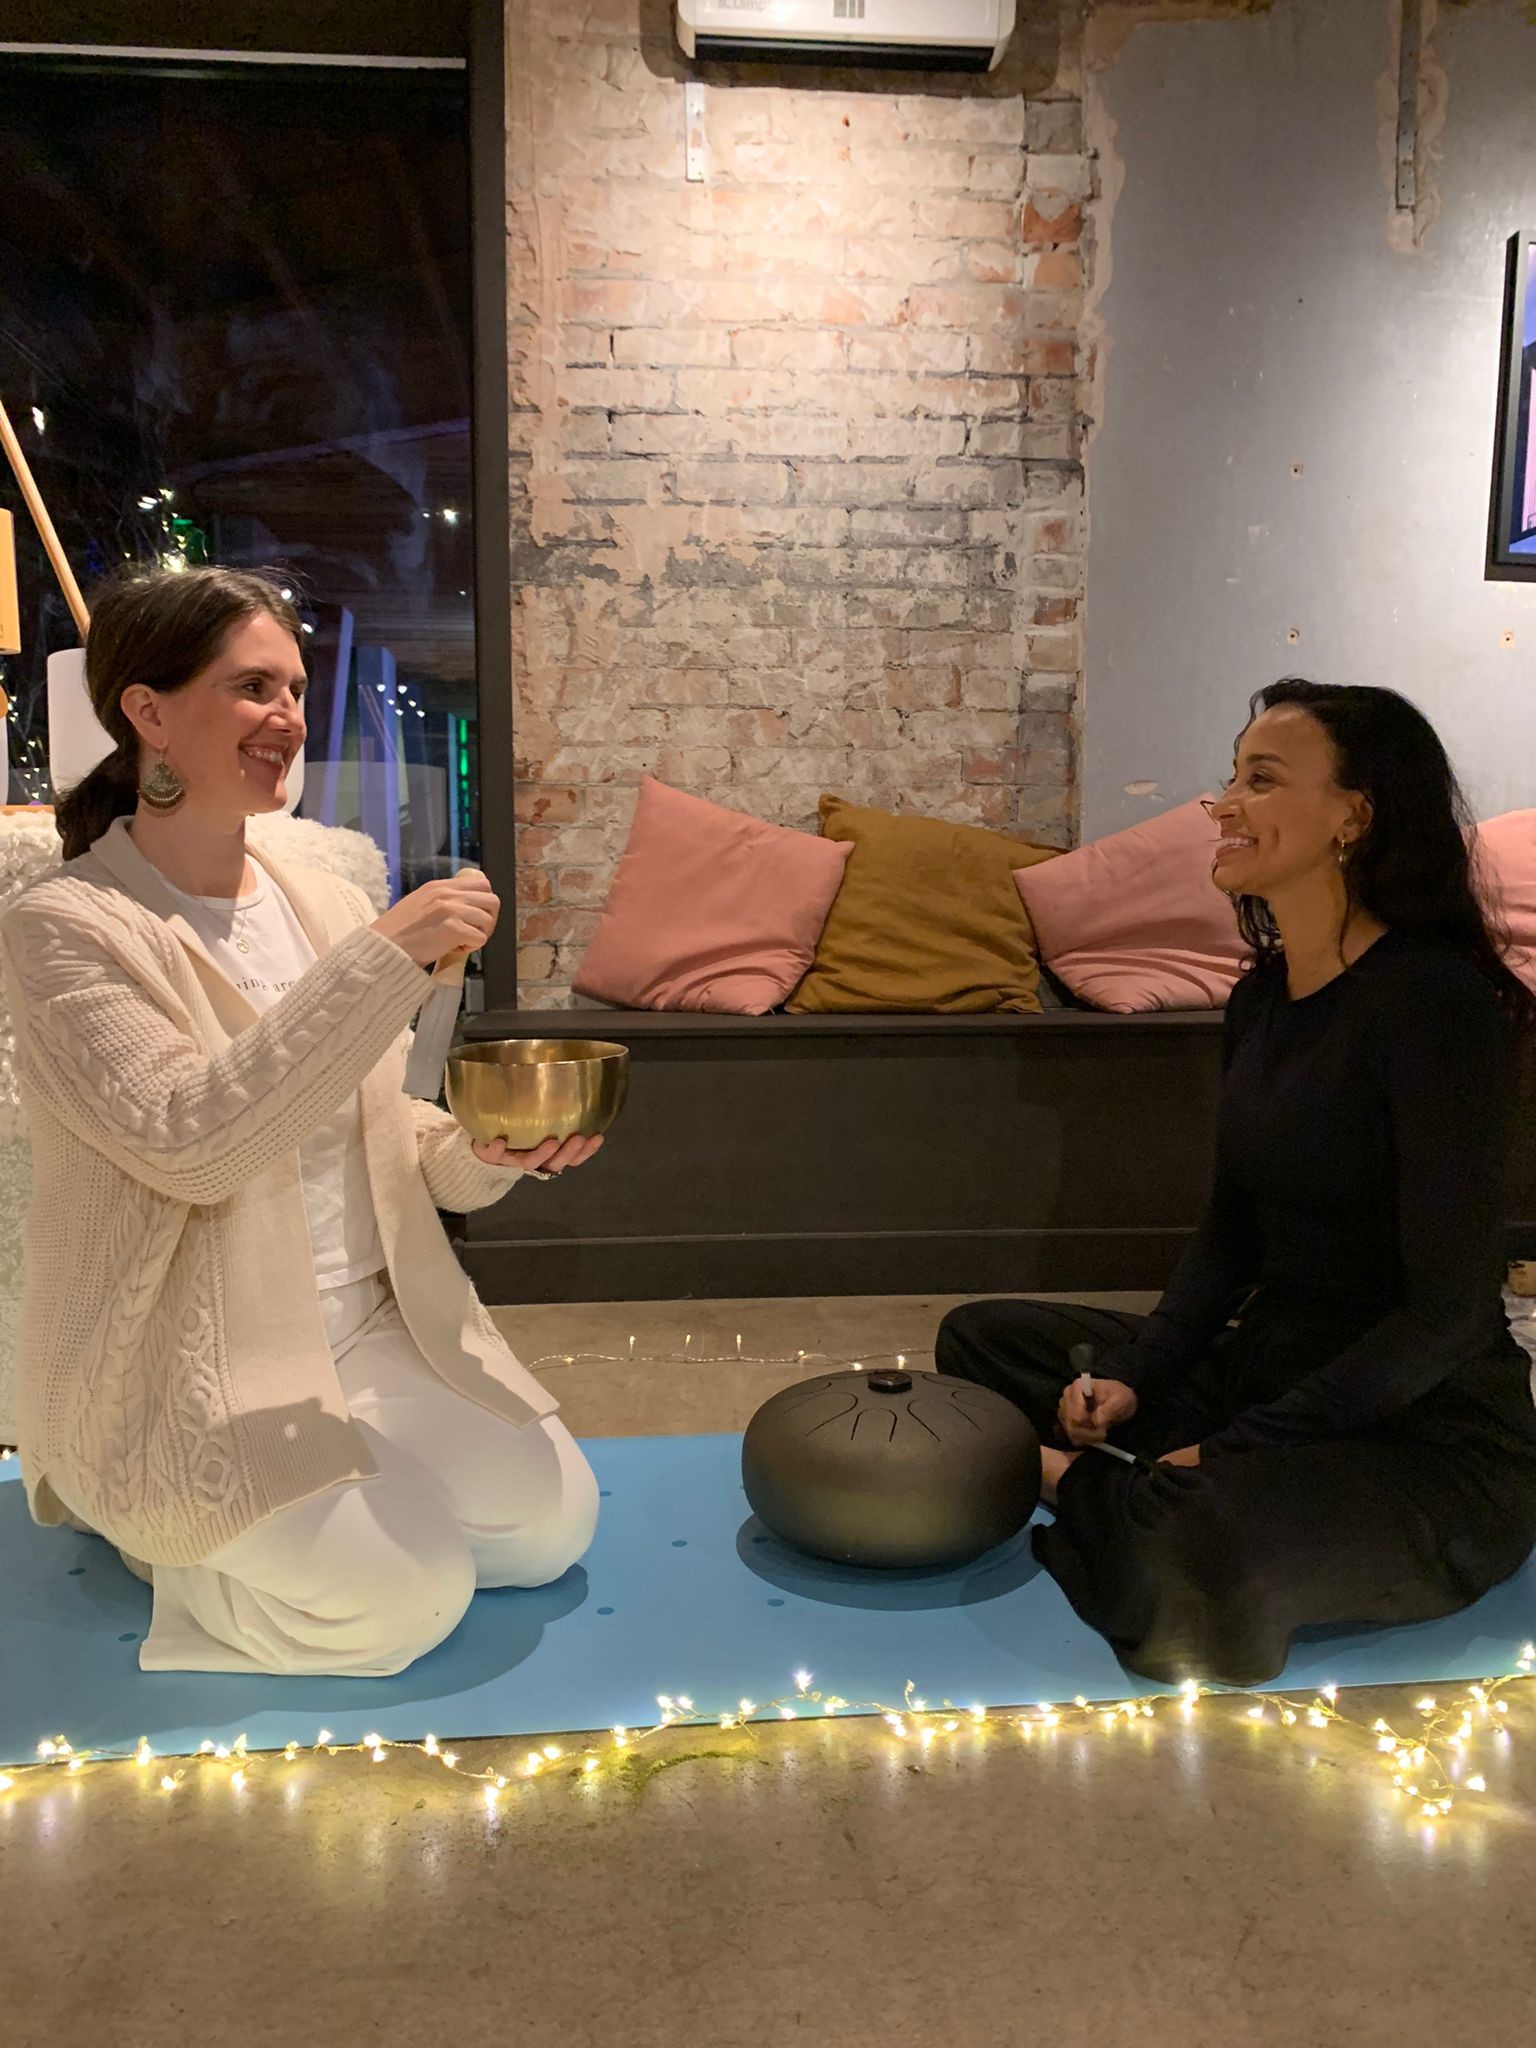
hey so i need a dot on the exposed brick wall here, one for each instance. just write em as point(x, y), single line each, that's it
point(797, 496)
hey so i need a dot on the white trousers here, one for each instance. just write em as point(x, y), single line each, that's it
point(361, 1580)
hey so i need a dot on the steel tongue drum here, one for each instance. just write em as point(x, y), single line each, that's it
point(895, 1470)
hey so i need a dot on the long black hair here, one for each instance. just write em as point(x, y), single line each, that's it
point(1417, 861)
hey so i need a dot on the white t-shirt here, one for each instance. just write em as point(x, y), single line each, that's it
point(258, 942)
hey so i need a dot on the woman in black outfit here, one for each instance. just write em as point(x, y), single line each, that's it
point(1333, 1422)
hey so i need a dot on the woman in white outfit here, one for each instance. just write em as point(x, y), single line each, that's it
point(249, 1356)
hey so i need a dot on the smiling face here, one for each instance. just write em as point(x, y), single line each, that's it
point(1283, 816)
point(233, 731)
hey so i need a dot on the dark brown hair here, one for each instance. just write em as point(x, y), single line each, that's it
point(159, 627)
point(1417, 863)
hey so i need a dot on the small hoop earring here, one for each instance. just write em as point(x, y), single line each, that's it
point(162, 789)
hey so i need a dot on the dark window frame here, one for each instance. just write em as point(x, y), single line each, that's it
point(490, 454)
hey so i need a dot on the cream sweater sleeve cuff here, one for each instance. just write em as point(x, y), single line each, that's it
point(455, 1178)
point(386, 963)
point(460, 1181)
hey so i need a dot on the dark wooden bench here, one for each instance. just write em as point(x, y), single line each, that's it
point(851, 1155)
point(872, 1155)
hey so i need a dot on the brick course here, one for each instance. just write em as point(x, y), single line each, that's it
point(796, 451)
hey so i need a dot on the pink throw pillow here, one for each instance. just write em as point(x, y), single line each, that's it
point(1508, 848)
point(1134, 922)
point(709, 910)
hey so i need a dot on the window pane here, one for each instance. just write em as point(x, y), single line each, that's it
point(235, 328)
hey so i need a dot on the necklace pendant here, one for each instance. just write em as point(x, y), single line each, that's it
point(241, 946)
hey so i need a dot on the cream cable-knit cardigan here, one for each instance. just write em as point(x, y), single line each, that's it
point(175, 1384)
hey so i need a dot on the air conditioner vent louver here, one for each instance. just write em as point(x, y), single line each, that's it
point(930, 35)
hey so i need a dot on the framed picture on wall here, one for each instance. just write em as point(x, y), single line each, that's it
point(1512, 527)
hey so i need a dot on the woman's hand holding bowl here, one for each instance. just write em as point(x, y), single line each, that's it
point(456, 915)
point(548, 1159)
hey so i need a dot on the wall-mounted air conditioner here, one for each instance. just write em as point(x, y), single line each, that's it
point(928, 35)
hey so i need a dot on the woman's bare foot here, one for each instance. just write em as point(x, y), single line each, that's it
point(1052, 1464)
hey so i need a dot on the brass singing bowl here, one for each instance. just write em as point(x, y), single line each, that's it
point(528, 1089)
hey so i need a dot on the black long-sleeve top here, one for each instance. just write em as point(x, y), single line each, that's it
point(1360, 1165)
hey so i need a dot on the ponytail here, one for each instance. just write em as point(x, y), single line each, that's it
point(83, 813)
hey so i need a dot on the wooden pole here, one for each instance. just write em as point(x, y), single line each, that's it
point(39, 511)
point(10, 609)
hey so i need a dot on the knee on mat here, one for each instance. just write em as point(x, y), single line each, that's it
point(1197, 1542)
point(547, 1552)
point(415, 1602)
point(955, 1347)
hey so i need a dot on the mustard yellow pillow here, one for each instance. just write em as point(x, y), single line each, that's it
point(928, 918)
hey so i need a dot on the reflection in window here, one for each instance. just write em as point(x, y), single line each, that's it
point(235, 328)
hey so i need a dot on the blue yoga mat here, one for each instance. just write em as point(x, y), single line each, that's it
point(682, 1592)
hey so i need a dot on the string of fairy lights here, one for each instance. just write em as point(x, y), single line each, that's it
point(688, 1356)
point(1430, 1765)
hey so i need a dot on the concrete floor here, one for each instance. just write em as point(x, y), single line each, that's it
point(823, 1885)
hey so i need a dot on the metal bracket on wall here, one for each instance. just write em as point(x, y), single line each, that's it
point(696, 141)
point(1410, 47)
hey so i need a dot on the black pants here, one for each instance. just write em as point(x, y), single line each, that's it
point(1207, 1571)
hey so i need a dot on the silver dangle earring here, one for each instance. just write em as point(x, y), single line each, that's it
point(162, 789)
point(1343, 853)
